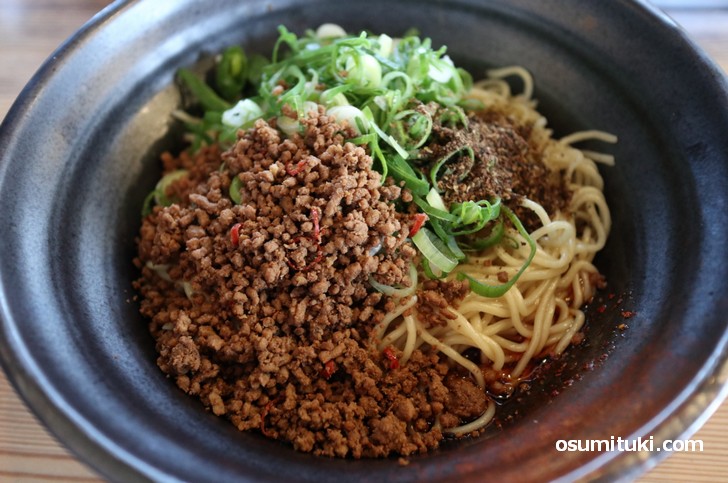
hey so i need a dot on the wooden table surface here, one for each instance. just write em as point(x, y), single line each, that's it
point(31, 29)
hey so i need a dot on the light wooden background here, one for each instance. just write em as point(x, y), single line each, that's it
point(30, 30)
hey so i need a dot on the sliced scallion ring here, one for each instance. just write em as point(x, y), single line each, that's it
point(434, 250)
point(160, 197)
point(397, 292)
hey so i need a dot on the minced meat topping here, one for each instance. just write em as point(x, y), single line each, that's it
point(263, 309)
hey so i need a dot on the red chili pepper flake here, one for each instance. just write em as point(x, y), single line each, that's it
point(611, 296)
point(264, 414)
point(316, 227)
point(235, 234)
point(293, 171)
point(601, 309)
point(420, 219)
point(628, 314)
point(316, 237)
point(393, 361)
point(316, 260)
point(329, 369)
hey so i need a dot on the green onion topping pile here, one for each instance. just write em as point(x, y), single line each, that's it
point(374, 83)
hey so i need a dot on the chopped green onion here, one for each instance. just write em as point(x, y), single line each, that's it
point(235, 186)
point(402, 171)
point(444, 159)
point(350, 115)
point(394, 291)
point(414, 133)
point(432, 274)
point(371, 140)
point(453, 115)
point(288, 125)
point(284, 37)
point(335, 96)
point(433, 212)
point(160, 196)
point(385, 45)
point(294, 95)
point(202, 92)
point(471, 104)
point(256, 64)
point(493, 291)
point(364, 71)
point(457, 252)
point(432, 248)
point(147, 204)
point(473, 216)
point(161, 270)
point(408, 89)
point(242, 114)
point(437, 227)
point(496, 235)
point(230, 74)
point(435, 200)
point(440, 71)
point(384, 136)
point(330, 31)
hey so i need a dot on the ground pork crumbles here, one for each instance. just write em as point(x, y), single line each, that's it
point(263, 308)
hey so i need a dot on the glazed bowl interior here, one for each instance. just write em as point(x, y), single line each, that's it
point(79, 154)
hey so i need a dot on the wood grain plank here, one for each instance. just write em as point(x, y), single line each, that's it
point(30, 31)
point(28, 452)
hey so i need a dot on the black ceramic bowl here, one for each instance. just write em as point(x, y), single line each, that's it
point(78, 154)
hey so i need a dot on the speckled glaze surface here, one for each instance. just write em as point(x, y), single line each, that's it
point(78, 154)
